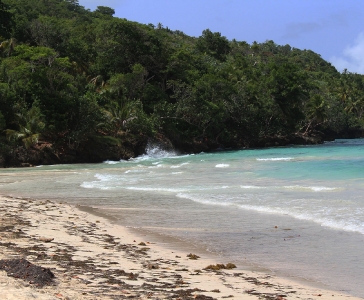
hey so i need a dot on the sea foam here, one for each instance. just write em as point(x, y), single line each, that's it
point(222, 166)
point(155, 152)
point(345, 223)
point(275, 159)
point(252, 187)
point(111, 162)
point(180, 165)
point(310, 188)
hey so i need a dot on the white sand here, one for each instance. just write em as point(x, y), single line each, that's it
point(95, 259)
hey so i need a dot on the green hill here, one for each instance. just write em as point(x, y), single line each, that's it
point(83, 86)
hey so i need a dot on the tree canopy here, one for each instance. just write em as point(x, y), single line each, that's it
point(71, 77)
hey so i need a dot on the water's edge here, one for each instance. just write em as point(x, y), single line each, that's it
point(173, 243)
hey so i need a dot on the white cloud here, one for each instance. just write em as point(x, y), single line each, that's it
point(352, 58)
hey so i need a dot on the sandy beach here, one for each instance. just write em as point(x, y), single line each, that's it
point(92, 258)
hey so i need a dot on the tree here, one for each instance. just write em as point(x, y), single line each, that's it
point(104, 10)
point(120, 44)
point(92, 75)
point(123, 91)
point(213, 44)
point(49, 32)
point(7, 47)
point(30, 127)
point(202, 105)
point(350, 91)
point(2, 122)
point(6, 21)
point(45, 78)
point(316, 112)
point(89, 119)
point(286, 87)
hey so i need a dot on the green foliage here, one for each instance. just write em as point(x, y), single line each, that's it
point(213, 44)
point(89, 118)
point(84, 76)
point(121, 44)
point(2, 122)
point(49, 32)
point(286, 88)
point(123, 92)
point(104, 10)
point(106, 140)
point(6, 21)
point(30, 127)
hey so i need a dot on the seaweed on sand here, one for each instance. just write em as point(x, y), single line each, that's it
point(217, 267)
point(193, 256)
point(23, 269)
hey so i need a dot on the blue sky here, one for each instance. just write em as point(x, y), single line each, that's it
point(332, 28)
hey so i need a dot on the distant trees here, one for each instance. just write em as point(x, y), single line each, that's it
point(29, 129)
point(6, 21)
point(104, 10)
point(213, 44)
point(69, 76)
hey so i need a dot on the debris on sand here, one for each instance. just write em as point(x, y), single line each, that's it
point(23, 269)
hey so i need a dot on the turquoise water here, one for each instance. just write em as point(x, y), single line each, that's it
point(298, 211)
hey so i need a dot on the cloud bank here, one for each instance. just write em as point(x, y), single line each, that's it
point(352, 58)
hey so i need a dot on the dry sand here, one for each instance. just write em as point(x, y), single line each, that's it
point(93, 258)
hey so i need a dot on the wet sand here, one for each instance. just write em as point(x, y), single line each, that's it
point(92, 258)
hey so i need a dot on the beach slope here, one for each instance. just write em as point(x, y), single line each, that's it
point(92, 258)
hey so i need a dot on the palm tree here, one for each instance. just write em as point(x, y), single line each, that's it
point(7, 47)
point(316, 111)
point(120, 112)
point(30, 127)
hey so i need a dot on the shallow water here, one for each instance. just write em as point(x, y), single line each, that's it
point(298, 211)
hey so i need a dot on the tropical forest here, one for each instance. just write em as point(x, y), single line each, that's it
point(82, 86)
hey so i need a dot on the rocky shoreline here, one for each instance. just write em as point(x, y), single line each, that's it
point(99, 150)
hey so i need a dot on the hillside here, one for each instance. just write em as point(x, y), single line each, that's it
point(83, 86)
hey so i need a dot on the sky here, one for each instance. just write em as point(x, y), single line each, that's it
point(332, 28)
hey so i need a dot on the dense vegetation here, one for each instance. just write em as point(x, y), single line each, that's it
point(77, 85)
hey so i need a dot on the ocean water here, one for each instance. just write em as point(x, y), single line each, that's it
point(297, 211)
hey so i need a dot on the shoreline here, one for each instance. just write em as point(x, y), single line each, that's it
point(94, 258)
point(172, 243)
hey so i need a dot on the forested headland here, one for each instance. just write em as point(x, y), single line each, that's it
point(83, 86)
